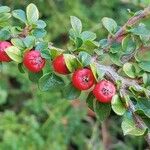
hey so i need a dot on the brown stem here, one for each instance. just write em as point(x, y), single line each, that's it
point(105, 135)
point(138, 120)
point(114, 76)
point(131, 22)
point(25, 31)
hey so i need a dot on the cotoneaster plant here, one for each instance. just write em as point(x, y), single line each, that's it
point(104, 91)
point(114, 72)
point(83, 79)
point(3, 55)
point(59, 65)
point(33, 61)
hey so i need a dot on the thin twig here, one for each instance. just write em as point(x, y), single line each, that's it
point(131, 22)
point(126, 83)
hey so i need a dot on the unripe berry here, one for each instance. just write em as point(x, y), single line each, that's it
point(33, 61)
point(104, 91)
point(3, 56)
point(83, 79)
point(59, 65)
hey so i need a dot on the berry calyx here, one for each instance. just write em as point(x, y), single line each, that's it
point(83, 79)
point(3, 55)
point(59, 65)
point(104, 91)
point(33, 61)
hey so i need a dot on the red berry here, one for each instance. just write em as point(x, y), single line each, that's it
point(33, 61)
point(59, 65)
point(104, 91)
point(3, 56)
point(83, 79)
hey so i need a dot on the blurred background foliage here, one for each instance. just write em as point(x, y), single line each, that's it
point(32, 120)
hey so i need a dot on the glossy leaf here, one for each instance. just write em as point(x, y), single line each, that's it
point(20, 14)
point(109, 24)
point(32, 14)
point(129, 70)
point(145, 65)
point(50, 81)
point(129, 126)
point(14, 53)
point(88, 35)
point(117, 105)
point(102, 110)
point(76, 24)
point(71, 62)
point(4, 9)
point(70, 92)
point(85, 58)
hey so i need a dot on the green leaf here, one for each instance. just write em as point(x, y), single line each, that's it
point(143, 105)
point(14, 53)
point(3, 96)
point(146, 79)
point(41, 24)
point(76, 24)
point(129, 70)
point(93, 67)
point(50, 81)
point(88, 35)
point(20, 68)
point(117, 105)
point(104, 43)
point(41, 46)
point(130, 127)
point(20, 14)
point(4, 9)
point(32, 14)
point(115, 58)
point(70, 92)
point(17, 42)
point(29, 41)
point(128, 45)
point(140, 30)
point(73, 35)
point(115, 48)
point(89, 46)
point(102, 110)
point(100, 73)
point(143, 55)
point(55, 51)
point(4, 35)
point(90, 101)
point(85, 58)
point(39, 33)
point(71, 62)
point(5, 17)
point(34, 77)
point(79, 42)
point(15, 30)
point(109, 24)
point(45, 54)
point(145, 65)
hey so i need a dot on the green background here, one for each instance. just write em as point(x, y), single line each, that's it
point(33, 120)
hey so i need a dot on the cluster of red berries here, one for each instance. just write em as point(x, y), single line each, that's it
point(32, 59)
point(82, 79)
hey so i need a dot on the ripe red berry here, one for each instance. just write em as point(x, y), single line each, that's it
point(3, 56)
point(83, 79)
point(33, 61)
point(59, 65)
point(104, 91)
